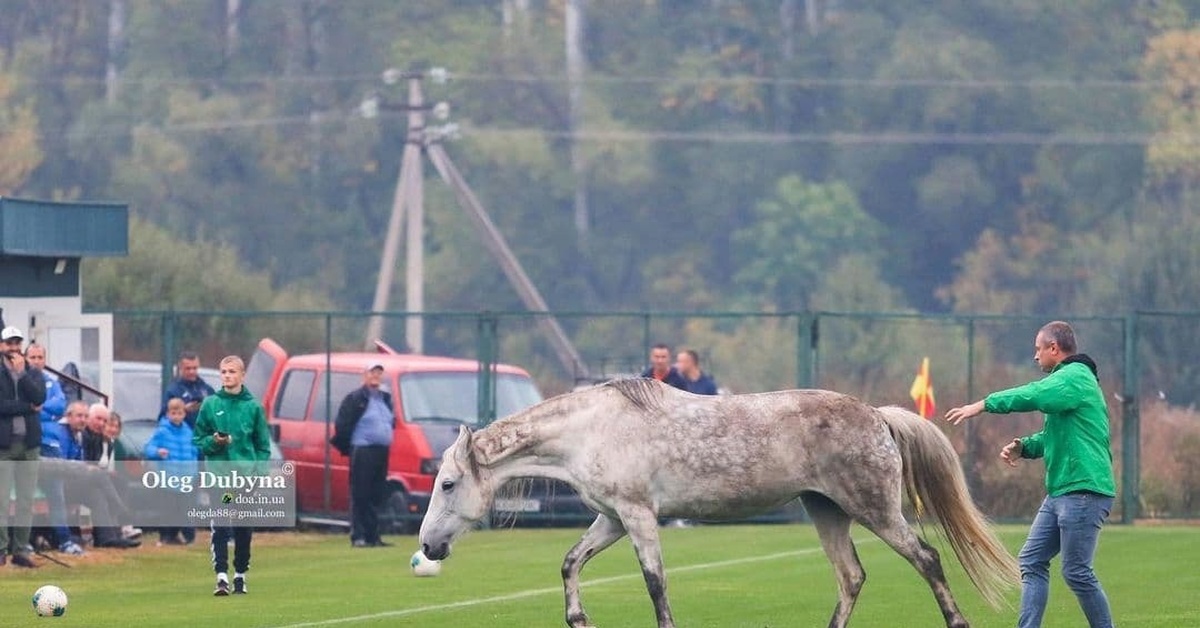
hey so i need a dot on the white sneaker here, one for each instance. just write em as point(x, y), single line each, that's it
point(72, 548)
point(131, 532)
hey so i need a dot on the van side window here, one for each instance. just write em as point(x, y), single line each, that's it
point(342, 385)
point(292, 401)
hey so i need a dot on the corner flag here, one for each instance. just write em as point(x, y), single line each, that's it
point(922, 391)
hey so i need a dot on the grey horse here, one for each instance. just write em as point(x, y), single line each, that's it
point(637, 450)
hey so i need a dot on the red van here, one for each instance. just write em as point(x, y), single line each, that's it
point(432, 397)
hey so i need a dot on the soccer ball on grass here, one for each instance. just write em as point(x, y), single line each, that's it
point(423, 567)
point(49, 601)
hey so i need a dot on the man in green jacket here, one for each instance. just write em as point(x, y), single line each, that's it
point(231, 427)
point(1074, 443)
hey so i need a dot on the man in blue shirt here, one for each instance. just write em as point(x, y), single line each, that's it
point(695, 380)
point(364, 429)
point(187, 386)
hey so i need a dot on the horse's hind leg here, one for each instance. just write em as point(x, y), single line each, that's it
point(603, 532)
point(642, 525)
point(895, 531)
point(833, 526)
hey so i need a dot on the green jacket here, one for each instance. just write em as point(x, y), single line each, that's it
point(1074, 440)
point(239, 415)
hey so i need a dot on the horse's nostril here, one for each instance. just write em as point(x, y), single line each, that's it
point(437, 552)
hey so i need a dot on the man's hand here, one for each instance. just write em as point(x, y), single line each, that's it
point(16, 361)
point(163, 453)
point(1011, 452)
point(222, 439)
point(191, 407)
point(962, 413)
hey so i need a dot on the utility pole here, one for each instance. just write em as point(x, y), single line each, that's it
point(414, 277)
point(409, 197)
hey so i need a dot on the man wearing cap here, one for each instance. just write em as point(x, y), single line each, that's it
point(365, 422)
point(22, 394)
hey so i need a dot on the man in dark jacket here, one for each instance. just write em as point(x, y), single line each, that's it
point(188, 386)
point(22, 393)
point(660, 367)
point(697, 381)
point(365, 423)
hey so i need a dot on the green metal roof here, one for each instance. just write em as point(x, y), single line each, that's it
point(50, 229)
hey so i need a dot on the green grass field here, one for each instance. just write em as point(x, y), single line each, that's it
point(719, 576)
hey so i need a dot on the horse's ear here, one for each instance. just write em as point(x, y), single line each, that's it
point(462, 446)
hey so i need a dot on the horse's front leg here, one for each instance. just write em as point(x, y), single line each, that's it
point(642, 526)
point(603, 532)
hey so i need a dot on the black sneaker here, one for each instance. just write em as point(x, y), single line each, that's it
point(239, 585)
point(23, 560)
point(381, 543)
point(222, 588)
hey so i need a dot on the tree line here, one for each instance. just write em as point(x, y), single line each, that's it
point(767, 156)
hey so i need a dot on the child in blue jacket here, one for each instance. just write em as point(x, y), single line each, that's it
point(172, 444)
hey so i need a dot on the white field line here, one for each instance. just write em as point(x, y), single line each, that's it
point(508, 597)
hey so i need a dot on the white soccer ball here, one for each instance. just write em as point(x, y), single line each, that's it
point(423, 567)
point(50, 601)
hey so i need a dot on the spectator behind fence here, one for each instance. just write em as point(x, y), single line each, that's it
point(117, 453)
point(95, 447)
point(22, 393)
point(660, 367)
point(85, 483)
point(56, 401)
point(695, 380)
point(57, 446)
point(170, 448)
point(51, 484)
point(99, 449)
point(188, 386)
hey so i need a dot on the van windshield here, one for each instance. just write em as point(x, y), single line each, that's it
point(454, 396)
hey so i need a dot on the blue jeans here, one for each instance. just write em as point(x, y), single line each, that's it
point(1069, 524)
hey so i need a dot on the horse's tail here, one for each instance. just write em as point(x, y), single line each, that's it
point(935, 483)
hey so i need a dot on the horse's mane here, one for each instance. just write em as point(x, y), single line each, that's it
point(504, 438)
point(643, 393)
point(517, 433)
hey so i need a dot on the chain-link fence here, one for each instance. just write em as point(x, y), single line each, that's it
point(1145, 367)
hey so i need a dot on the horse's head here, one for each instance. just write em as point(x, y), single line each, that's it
point(462, 495)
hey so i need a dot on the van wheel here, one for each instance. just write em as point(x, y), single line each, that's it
point(395, 516)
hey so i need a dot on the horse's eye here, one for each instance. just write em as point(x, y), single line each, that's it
point(448, 486)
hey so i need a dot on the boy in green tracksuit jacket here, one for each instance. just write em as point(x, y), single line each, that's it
point(232, 427)
point(1074, 444)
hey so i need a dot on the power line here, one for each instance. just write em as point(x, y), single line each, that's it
point(868, 138)
point(884, 83)
point(601, 79)
point(850, 139)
